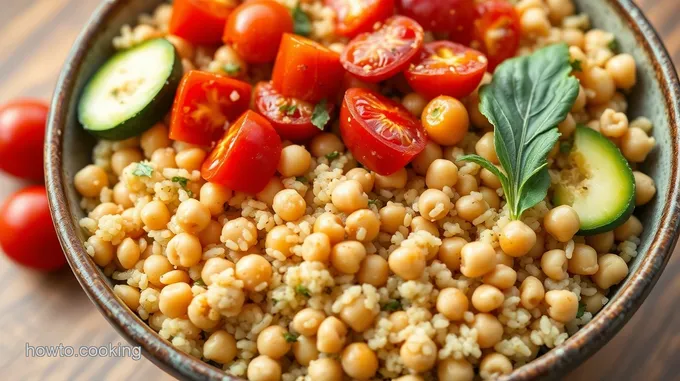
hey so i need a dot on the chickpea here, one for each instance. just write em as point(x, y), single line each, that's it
point(562, 223)
point(531, 292)
point(392, 217)
point(602, 242)
point(485, 148)
point(215, 197)
point(600, 84)
point(289, 205)
point(240, 231)
point(253, 270)
point(562, 305)
point(211, 234)
point(226, 54)
point(264, 368)
point(494, 365)
point(612, 270)
point(349, 196)
point(90, 181)
point(455, 370)
point(214, 266)
point(487, 298)
point(128, 253)
point(304, 350)
point(175, 276)
point(316, 247)
point(155, 215)
point(190, 159)
point(374, 270)
point(593, 303)
point(281, 238)
point(613, 124)
point(554, 264)
point(645, 189)
point(490, 197)
point(407, 262)
point(580, 102)
point(441, 173)
point(489, 179)
point(622, 70)
point(273, 187)
point(362, 225)
point(419, 353)
point(434, 204)
point(470, 207)
point(356, 315)
point(446, 120)
point(534, 22)
point(121, 195)
point(103, 250)
point(489, 330)
point(452, 303)
point(220, 347)
point(636, 145)
point(307, 321)
point(124, 157)
point(295, 161)
point(331, 335)
point(331, 225)
point(450, 251)
point(477, 259)
point(154, 138)
point(272, 342)
point(154, 267)
point(364, 177)
point(399, 320)
point(325, 369)
point(414, 103)
point(539, 247)
point(326, 143)
point(164, 158)
point(567, 127)
point(517, 239)
point(502, 277)
point(174, 299)
point(199, 313)
point(184, 250)
point(422, 161)
point(397, 180)
point(583, 260)
point(631, 228)
point(419, 223)
point(346, 256)
point(192, 216)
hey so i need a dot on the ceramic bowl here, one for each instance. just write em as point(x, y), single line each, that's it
point(657, 96)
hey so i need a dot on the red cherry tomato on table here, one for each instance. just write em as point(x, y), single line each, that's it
point(204, 106)
point(446, 68)
point(246, 158)
point(381, 134)
point(359, 16)
point(27, 235)
point(255, 29)
point(200, 21)
point(497, 31)
point(290, 117)
point(306, 70)
point(380, 55)
point(442, 16)
point(22, 136)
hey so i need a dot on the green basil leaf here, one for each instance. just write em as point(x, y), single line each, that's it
point(320, 115)
point(301, 21)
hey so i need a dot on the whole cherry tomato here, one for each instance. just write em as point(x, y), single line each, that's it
point(454, 17)
point(204, 106)
point(446, 68)
point(381, 134)
point(379, 55)
point(200, 21)
point(255, 28)
point(359, 16)
point(22, 137)
point(27, 235)
point(497, 31)
point(246, 158)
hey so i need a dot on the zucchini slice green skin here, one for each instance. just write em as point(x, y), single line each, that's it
point(604, 194)
point(132, 91)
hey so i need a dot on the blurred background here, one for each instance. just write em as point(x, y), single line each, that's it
point(49, 309)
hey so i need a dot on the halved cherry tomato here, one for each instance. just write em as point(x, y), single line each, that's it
point(255, 29)
point(359, 16)
point(306, 70)
point(381, 134)
point(205, 104)
point(497, 31)
point(200, 21)
point(22, 138)
point(446, 68)
point(379, 55)
point(442, 16)
point(291, 117)
point(246, 158)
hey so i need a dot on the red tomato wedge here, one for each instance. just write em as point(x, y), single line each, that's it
point(379, 55)
point(205, 104)
point(497, 31)
point(442, 16)
point(200, 21)
point(306, 70)
point(246, 157)
point(291, 117)
point(446, 68)
point(381, 134)
point(359, 16)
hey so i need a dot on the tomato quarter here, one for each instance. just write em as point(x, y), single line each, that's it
point(255, 28)
point(442, 16)
point(359, 16)
point(306, 70)
point(22, 136)
point(381, 134)
point(246, 158)
point(205, 104)
point(27, 234)
point(380, 55)
point(497, 31)
point(200, 21)
point(446, 68)
point(290, 117)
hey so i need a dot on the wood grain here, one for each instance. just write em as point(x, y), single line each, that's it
point(52, 309)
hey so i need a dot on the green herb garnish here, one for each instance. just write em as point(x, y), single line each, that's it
point(290, 337)
point(288, 109)
point(143, 169)
point(232, 68)
point(576, 65)
point(302, 290)
point(613, 45)
point(199, 282)
point(565, 147)
point(436, 113)
point(301, 179)
point(372, 202)
point(581, 310)
point(320, 115)
point(526, 100)
point(333, 155)
point(391, 306)
point(302, 22)
point(182, 181)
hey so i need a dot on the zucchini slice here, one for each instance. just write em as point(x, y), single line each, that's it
point(599, 185)
point(132, 91)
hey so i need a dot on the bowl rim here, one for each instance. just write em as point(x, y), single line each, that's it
point(574, 351)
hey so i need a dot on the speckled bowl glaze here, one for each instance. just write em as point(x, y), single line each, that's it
point(656, 96)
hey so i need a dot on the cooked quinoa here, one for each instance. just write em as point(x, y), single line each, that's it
point(336, 272)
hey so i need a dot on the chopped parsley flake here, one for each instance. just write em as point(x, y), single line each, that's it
point(613, 45)
point(182, 181)
point(301, 21)
point(199, 282)
point(290, 337)
point(436, 113)
point(301, 179)
point(372, 202)
point(565, 147)
point(232, 68)
point(288, 109)
point(143, 169)
point(576, 65)
point(581, 310)
point(391, 306)
point(302, 290)
point(333, 155)
point(320, 115)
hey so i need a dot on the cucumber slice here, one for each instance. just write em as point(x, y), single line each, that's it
point(599, 185)
point(132, 91)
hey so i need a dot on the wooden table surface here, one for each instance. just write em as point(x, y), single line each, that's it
point(40, 310)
